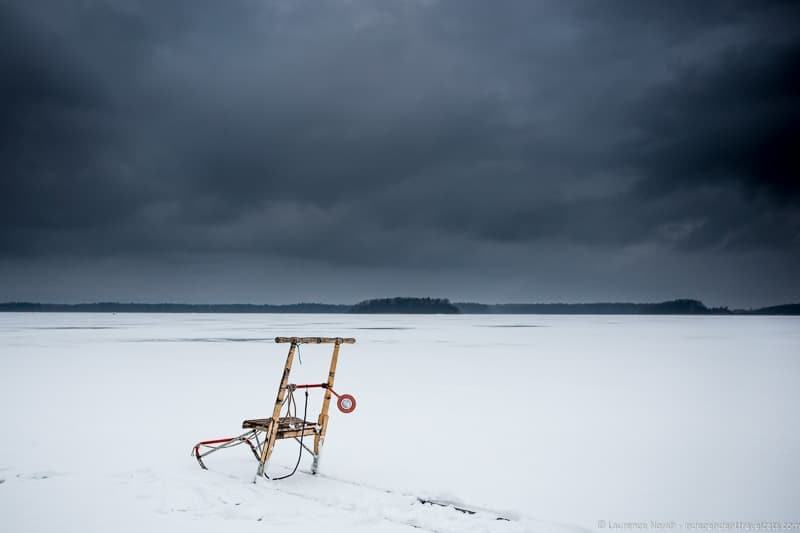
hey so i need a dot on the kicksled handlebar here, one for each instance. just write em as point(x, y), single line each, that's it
point(316, 340)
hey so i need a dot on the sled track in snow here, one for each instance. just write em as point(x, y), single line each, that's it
point(322, 501)
point(458, 506)
point(401, 508)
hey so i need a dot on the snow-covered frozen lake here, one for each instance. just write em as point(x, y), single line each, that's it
point(548, 419)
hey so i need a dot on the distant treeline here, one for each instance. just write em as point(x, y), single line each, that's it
point(412, 306)
point(672, 307)
point(786, 309)
point(406, 306)
point(114, 307)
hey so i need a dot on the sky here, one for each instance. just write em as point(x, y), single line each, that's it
point(283, 151)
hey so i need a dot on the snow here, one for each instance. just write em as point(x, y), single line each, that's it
point(547, 420)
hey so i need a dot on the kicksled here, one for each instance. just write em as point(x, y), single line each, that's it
point(262, 434)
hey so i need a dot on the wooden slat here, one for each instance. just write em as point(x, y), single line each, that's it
point(272, 431)
point(316, 340)
point(290, 434)
point(284, 423)
point(322, 421)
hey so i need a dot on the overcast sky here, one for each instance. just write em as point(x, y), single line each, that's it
point(283, 151)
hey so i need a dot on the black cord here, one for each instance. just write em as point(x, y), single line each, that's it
point(300, 455)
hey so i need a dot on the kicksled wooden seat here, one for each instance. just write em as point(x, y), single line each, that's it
point(263, 433)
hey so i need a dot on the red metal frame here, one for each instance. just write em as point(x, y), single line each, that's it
point(208, 443)
point(318, 386)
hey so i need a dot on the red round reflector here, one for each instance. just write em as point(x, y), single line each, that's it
point(346, 403)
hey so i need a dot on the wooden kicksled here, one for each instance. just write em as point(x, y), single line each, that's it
point(263, 433)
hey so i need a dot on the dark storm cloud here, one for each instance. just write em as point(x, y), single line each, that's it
point(419, 133)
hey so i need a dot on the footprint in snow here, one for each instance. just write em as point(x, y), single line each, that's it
point(42, 475)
